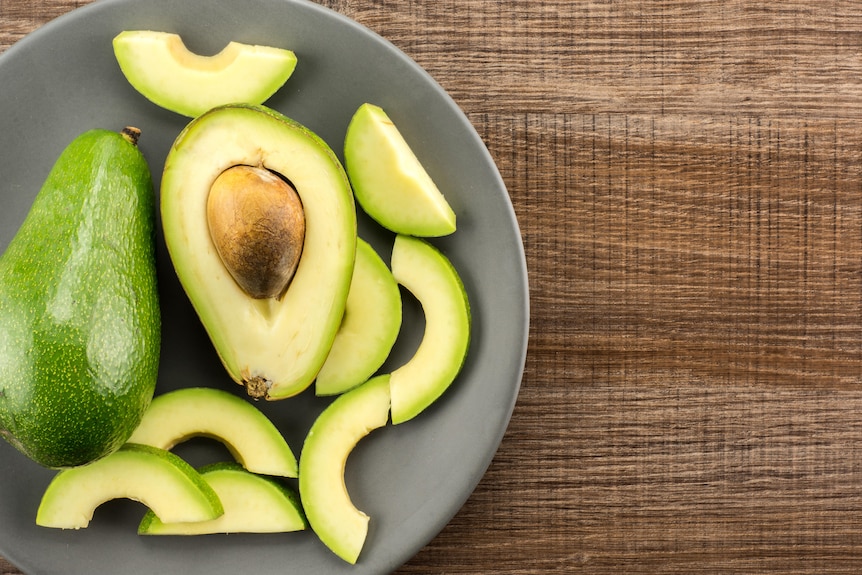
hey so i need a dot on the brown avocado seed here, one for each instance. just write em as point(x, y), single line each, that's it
point(257, 224)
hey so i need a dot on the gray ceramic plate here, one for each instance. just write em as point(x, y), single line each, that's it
point(411, 479)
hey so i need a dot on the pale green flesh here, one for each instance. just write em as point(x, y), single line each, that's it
point(432, 279)
point(157, 478)
point(388, 179)
point(252, 504)
point(250, 436)
point(372, 320)
point(159, 66)
point(330, 512)
point(282, 342)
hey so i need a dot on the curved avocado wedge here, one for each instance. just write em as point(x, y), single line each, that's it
point(372, 321)
point(273, 346)
point(249, 435)
point(252, 504)
point(162, 69)
point(330, 512)
point(388, 179)
point(155, 477)
point(430, 276)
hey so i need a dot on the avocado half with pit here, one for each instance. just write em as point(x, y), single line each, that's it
point(162, 69)
point(275, 341)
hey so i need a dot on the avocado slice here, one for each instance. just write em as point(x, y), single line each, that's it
point(155, 477)
point(249, 435)
point(372, 321)
point(390, 183)
point(333, 435)
point(252, 504)
point(433, 280)
point(162, 69)
point(274, 346)
point(79, 309)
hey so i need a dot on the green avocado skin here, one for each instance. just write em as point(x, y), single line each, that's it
point(79, 311)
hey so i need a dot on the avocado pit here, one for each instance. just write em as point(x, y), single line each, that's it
point(257, 224)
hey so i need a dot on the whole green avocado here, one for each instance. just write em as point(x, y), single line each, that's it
point(79, 310)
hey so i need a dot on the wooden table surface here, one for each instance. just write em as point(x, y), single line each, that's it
point(688, 182)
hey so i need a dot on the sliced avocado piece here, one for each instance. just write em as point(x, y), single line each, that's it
point(372, 320)
point(161, 68)
point(330, 512)
point(390, 183)
point(155, 477)
point(433, 280)
point(273, 346)
point(249, 435)
point(252, 504)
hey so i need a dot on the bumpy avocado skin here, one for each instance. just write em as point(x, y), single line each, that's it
point(79, 312)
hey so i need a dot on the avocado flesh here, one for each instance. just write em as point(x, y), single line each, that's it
point(248, 434)
point(433, 280)
point(162, 69)
point(157, 478)
point(252, 504)
point(274, 347)
point(330, 512)
point(372, 321)
point(390, 183)
point(79, 313)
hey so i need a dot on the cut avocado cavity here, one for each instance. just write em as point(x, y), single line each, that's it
point(248, 434)
point(274, 346)
point(155, 477)
point(161, 68)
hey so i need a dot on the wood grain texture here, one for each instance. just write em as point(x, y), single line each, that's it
point(687, 178)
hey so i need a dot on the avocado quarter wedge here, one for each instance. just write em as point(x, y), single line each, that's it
point(389, 180)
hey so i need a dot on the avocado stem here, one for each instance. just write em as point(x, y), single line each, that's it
point(131, 134)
